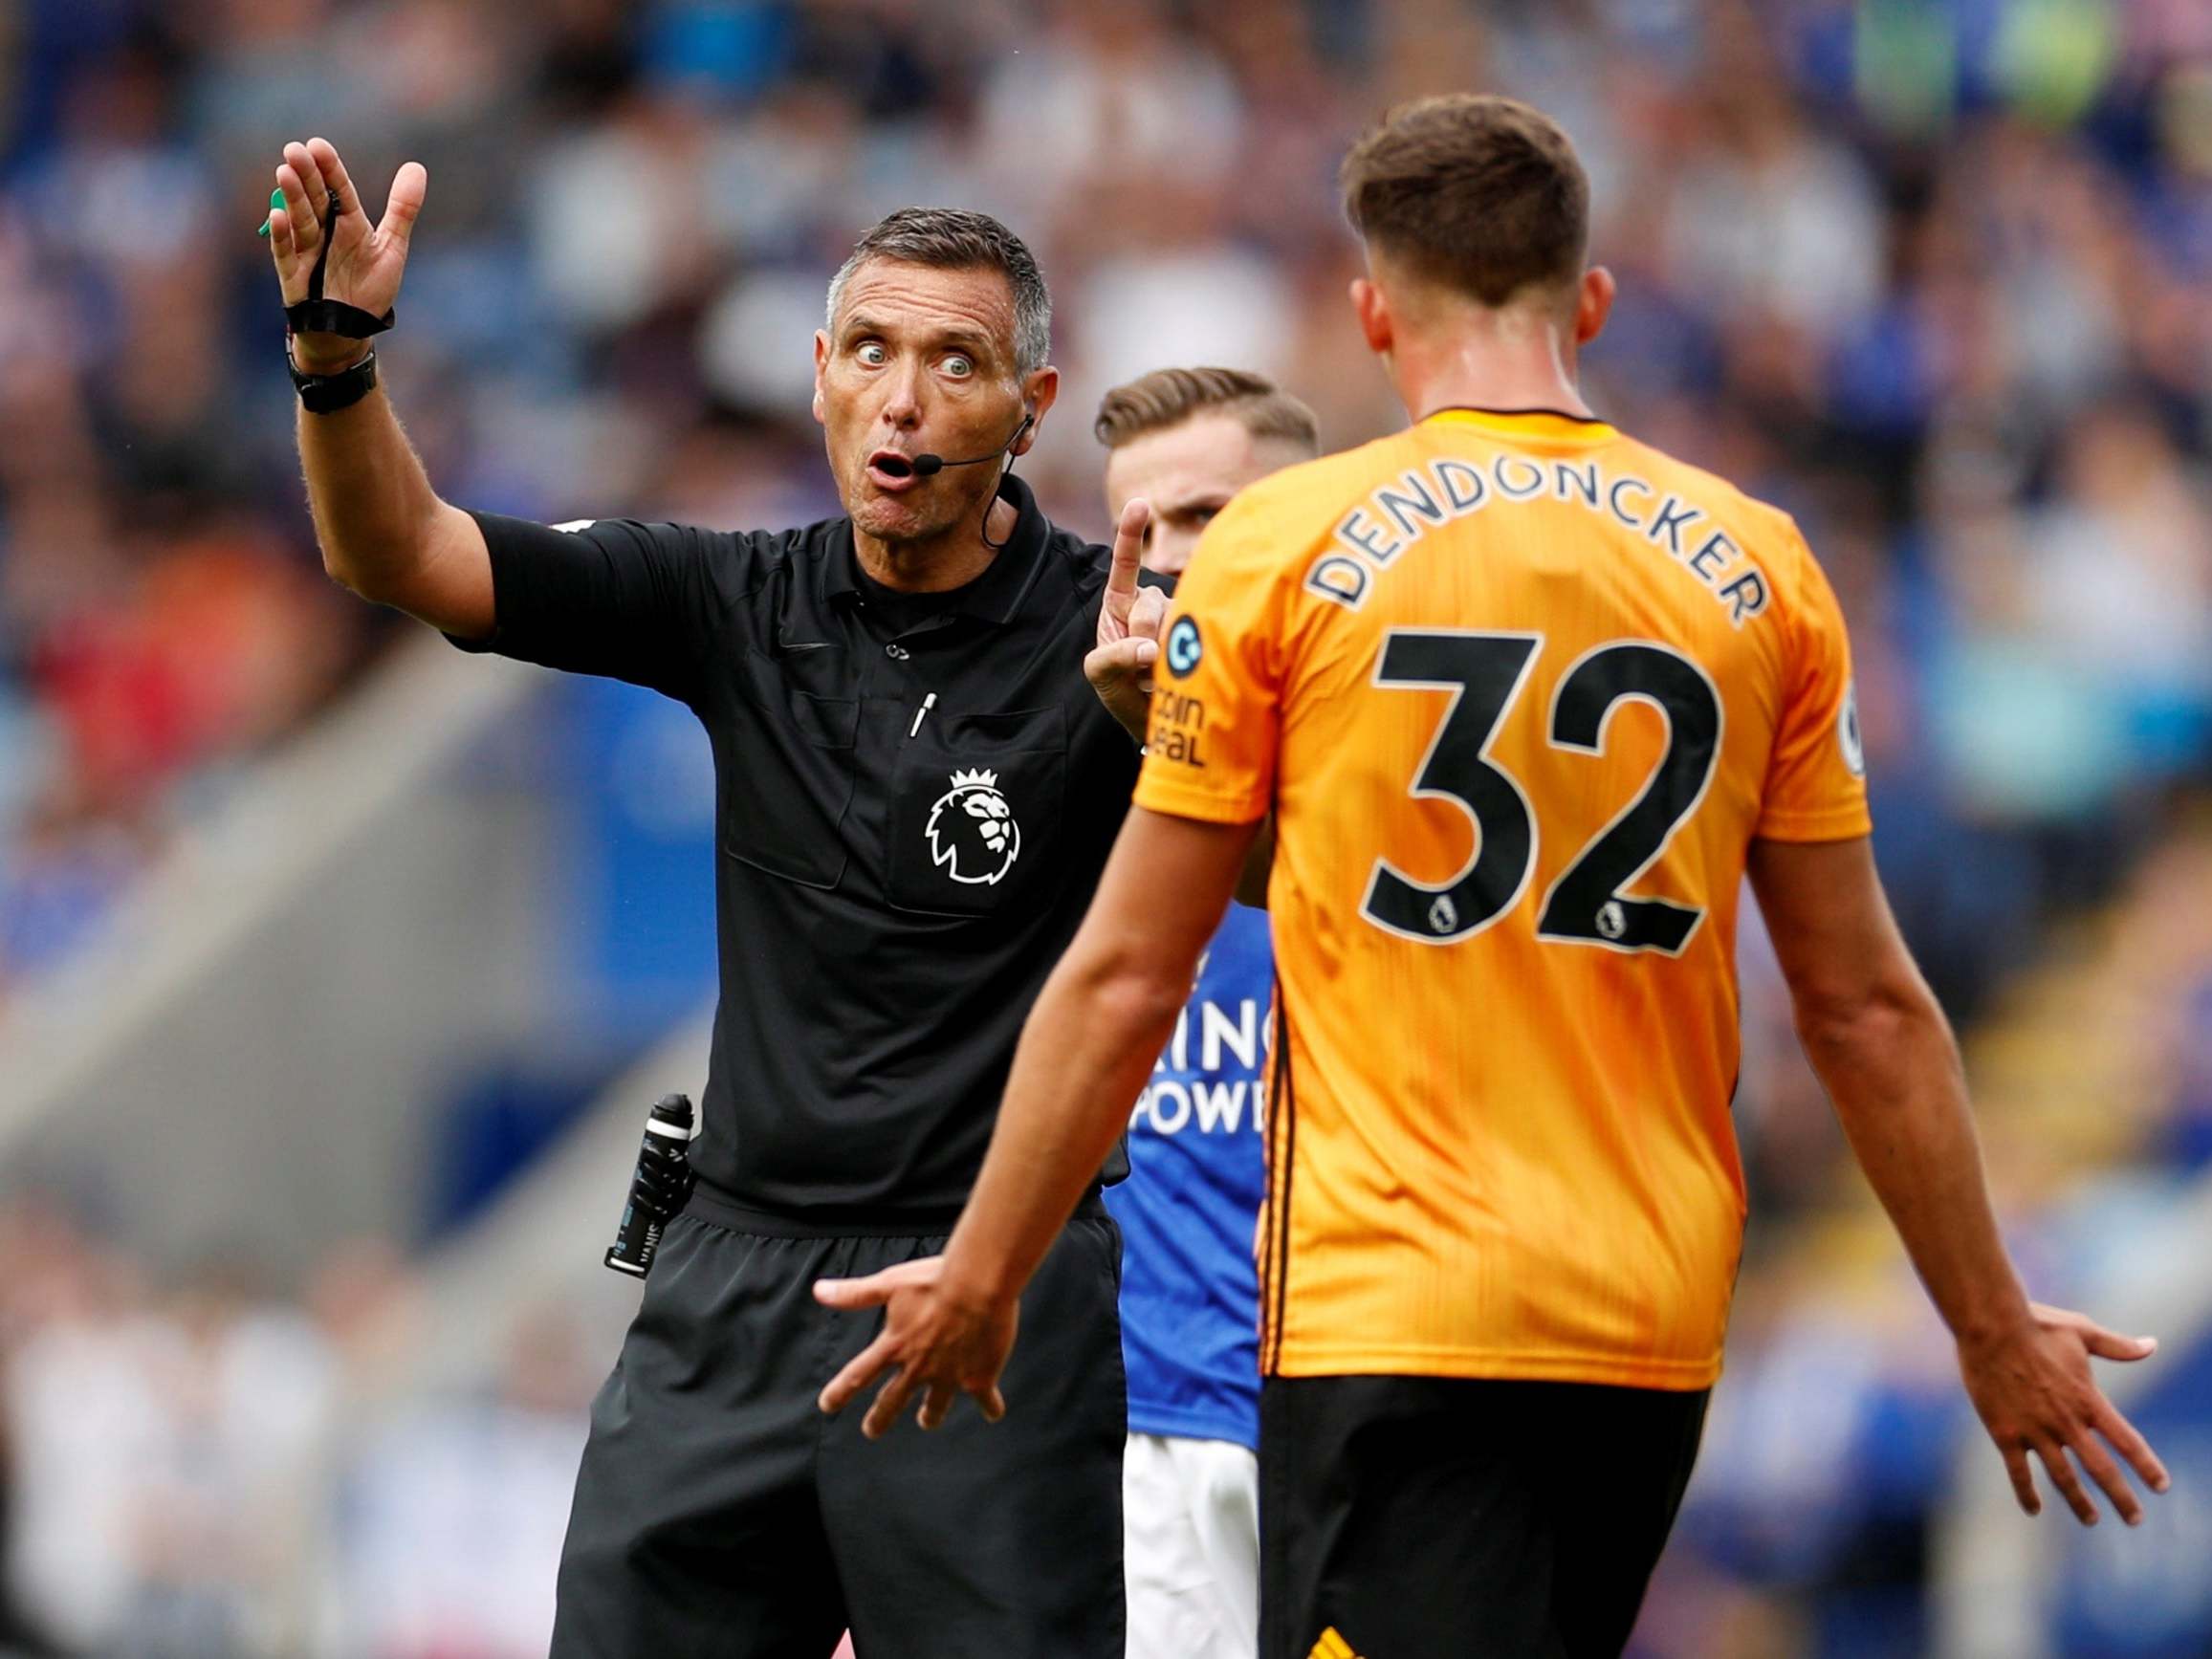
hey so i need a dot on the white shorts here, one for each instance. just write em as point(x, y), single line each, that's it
point(1191, 1512)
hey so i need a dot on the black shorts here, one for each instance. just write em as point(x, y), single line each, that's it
point(1418, 1518)
point(718, 1512)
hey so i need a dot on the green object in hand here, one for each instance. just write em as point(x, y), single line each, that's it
point(276, 201)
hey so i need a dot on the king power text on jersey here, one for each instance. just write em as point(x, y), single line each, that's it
point(1209, 1079)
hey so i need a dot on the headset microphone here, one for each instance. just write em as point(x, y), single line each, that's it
point(930, 466)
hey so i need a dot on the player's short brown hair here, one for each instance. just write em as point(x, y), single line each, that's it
point(1169, 397)
point(1483, 195)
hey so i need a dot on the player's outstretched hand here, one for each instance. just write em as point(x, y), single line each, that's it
point(934, 1340)
point(1120, 667)
point(2035, 1393)
point(366, 261)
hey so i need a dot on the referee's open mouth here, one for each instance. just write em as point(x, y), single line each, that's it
point(893, 471)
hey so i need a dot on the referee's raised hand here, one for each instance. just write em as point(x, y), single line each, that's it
point(1120, 666)
point(366, 261)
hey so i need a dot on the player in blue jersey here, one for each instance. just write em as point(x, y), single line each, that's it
point(1186, 441)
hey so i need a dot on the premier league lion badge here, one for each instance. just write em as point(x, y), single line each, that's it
point(973, 833)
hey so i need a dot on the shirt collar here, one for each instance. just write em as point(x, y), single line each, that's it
point(1525, 423)
point(994, 596)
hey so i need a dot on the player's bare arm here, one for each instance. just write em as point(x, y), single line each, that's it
point(1085, 1052)
point(384, 531)
point(1885, 1055)
point(1258, 866)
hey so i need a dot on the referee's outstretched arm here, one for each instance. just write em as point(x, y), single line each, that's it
point(384, 531)
point(1885, 1056)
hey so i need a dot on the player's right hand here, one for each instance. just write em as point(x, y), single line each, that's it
point(1119, 665)
point(366, 261)
point(933, 1338)
point(2034, 1392)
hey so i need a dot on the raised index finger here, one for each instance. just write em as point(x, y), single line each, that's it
point(1129, 550)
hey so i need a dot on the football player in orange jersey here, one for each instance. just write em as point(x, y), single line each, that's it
point(1527, 699)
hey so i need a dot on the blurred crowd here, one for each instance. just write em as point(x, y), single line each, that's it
point(202, 1469)
point(1934, 274)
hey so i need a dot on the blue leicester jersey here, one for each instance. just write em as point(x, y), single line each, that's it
point(1189, 1294)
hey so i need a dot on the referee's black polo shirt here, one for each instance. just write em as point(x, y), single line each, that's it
point(914, 796)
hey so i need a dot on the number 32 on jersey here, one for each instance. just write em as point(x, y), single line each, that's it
point(1485, 673)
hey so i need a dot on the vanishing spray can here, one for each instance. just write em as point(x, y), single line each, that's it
point(663, 1182)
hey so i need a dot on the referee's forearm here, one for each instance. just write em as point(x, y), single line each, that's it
point(375, 513)
point(1084, 1057)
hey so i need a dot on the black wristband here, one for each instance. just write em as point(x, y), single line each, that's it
point(320, 316)
point(327, 394)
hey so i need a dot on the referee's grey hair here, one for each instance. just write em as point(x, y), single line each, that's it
point(953, 239)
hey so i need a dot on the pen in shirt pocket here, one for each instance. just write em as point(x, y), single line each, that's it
point(922, 714)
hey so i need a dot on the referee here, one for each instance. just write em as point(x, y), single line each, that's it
point(916, 791)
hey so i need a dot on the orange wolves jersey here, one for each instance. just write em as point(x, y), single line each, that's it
point(1520, 691)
